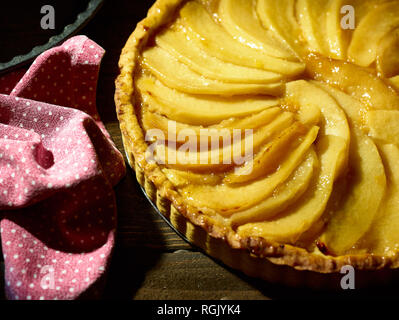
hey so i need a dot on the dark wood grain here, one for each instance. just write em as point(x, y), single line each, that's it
point(183, 274)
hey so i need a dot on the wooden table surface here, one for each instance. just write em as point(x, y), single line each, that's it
point(150, 261)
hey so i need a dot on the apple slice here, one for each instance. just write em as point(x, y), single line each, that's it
point(312, 19)
point(239, 18)
point(353, 80)
point(355, 111)
point(251, 122)
point(290, 224)
point(333, 120)
point(352, 107)
point(179, 44)
point(279, 17)
point(178, 76)
point(332, 150)
point(321, 27)
point(172, 130)
point(363, 8)
point(388, 55)
point(337, 39)
point(394, 82)
point(197, 109)
point(211, 158)
point(153, 120)
point(373, 27)
point(270, 156)
point(383, 237)
point(284, 196)
point(218, 43)
point(306, 95)
point(240, 197)
point(361, 203)
point(181, 178)
point(383, 125)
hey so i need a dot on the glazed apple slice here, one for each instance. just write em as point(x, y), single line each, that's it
point(312, 19)
point(306, 95)
point(217, 42)
point(291, 223)
point(309, 115)
point(388, 55)
point(364, 157)
point(178, 76)
point(241, 197)
point(211, 158)
point(284, 196)
point(178, 43)
point(383, 125)
point(360, 206)
point(332, 150)
point(279, 17)
point(251, 122)
point(368, 34)
point(171, 128)
point(269, 157)
point(198, 109)
point(382, 237)
point(363, 8)
point(239, 18)
point(333, 120)
point(353, 108)
point(321, 27)
point(337, 38)
point(394, 82)
point(181, 178)
point(353, 80)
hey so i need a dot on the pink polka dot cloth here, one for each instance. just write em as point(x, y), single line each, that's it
point(58, 167)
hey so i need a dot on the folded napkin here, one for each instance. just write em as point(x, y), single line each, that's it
point(58, 167)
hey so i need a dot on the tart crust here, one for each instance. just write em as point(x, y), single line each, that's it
point(257, 257)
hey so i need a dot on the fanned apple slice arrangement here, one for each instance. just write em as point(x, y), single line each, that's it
point(320, 106)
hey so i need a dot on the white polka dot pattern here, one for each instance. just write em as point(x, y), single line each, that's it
point(57, 224)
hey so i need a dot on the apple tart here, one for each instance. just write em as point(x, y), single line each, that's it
point(308, 179)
